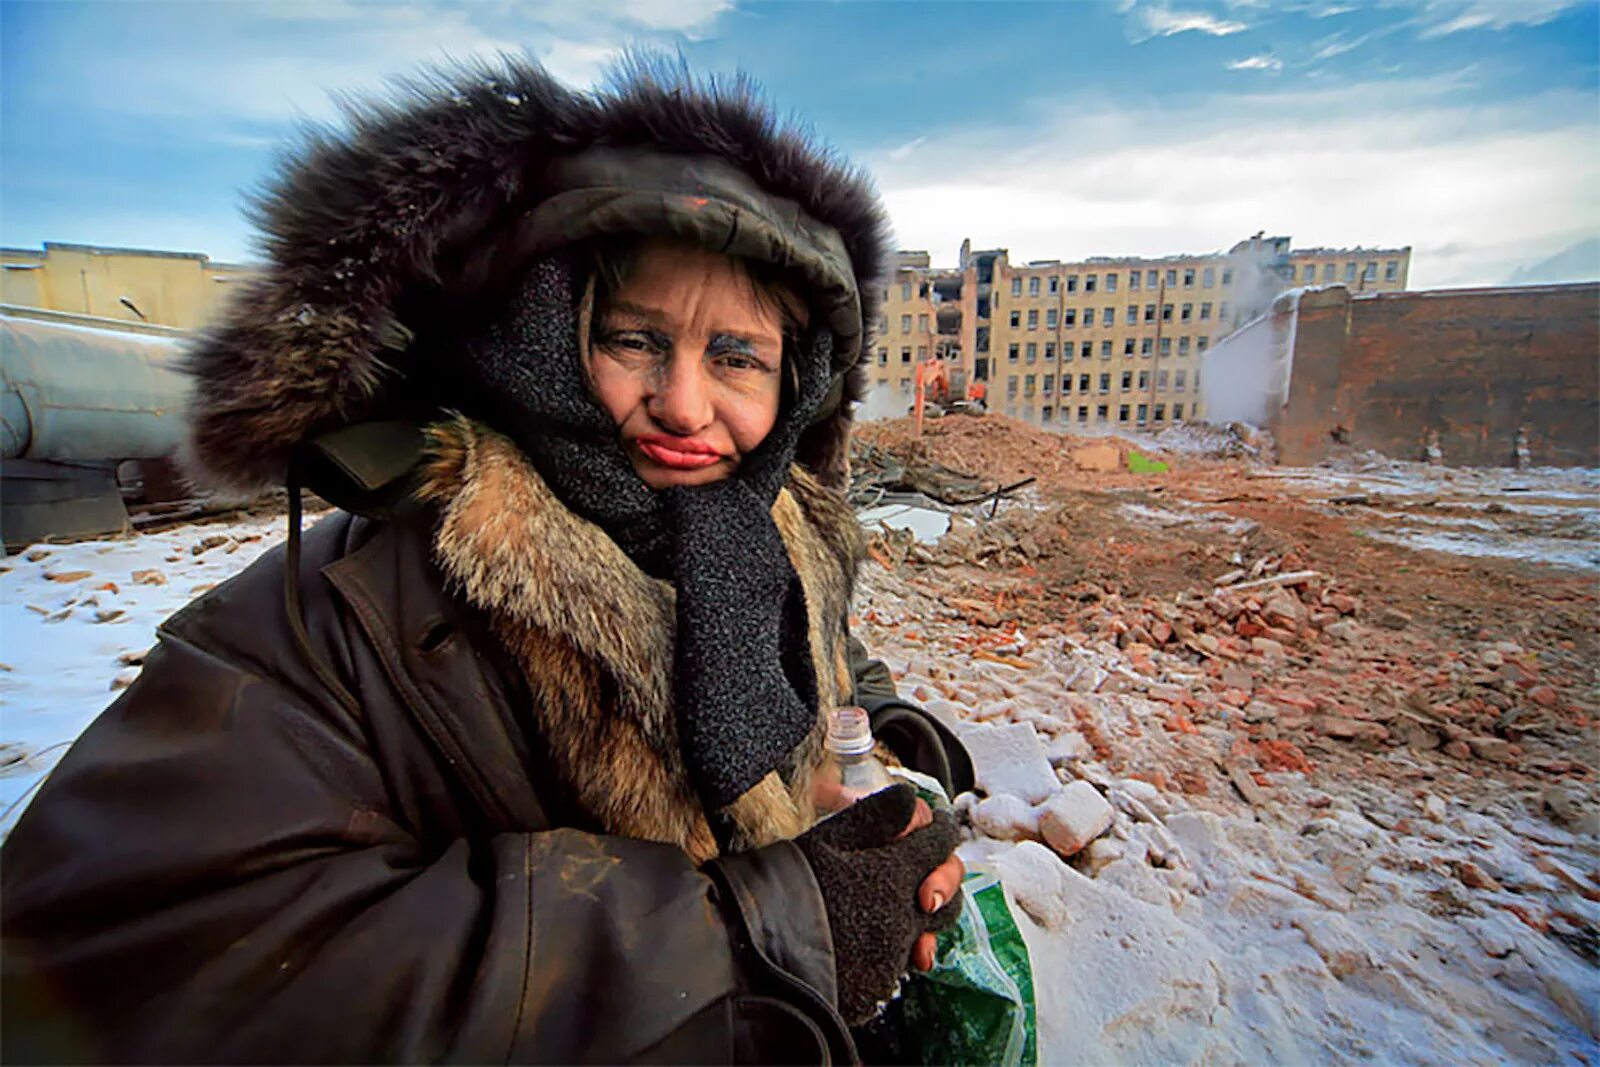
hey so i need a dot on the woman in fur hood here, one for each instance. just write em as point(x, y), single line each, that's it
point(511, 757)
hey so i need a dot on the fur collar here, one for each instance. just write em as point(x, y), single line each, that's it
point(377, 240)
point(594, 637)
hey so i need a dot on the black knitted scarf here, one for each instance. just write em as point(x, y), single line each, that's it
point(744, 687)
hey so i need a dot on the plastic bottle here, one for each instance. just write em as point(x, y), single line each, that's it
point(850, 771)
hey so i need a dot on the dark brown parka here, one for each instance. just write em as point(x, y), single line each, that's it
point(410, 790)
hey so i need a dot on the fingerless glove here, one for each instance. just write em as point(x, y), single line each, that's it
point(869, 877)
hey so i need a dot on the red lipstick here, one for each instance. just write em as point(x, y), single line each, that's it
point(679, 453)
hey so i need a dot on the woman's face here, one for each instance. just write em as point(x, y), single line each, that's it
point(689, 363)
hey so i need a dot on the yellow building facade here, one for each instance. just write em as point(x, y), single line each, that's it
point(181, 289)
point(1103, 342)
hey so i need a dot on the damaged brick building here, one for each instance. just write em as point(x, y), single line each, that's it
point(1470, 377)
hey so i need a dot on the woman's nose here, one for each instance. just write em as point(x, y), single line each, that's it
point(681, 403)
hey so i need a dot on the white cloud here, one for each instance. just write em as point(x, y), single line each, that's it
point(1161, 21)
point(1261, 62)
point(1337, 45)
point(1476, 190)
point(269, 63)
point(1439, 18)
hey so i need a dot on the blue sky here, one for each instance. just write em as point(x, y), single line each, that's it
point(1469, 129)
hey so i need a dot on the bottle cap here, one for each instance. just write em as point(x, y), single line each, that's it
point(849, 731)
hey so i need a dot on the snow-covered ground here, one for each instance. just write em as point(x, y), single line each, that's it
point(76, 619)
point(1392, 919)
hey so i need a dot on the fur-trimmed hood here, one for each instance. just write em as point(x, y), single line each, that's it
point(380, 239)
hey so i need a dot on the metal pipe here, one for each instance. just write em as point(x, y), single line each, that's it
point(73, 391)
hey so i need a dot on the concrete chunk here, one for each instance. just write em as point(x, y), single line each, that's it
point(1010, 759)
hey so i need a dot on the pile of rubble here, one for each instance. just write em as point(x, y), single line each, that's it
point(1196, 691)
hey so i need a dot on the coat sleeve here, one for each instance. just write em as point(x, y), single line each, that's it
point(213, 873)
point(916, 737)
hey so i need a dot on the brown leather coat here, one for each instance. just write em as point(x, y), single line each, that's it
point(230, 865)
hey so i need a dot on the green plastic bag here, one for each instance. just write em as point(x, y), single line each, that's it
point(1139, 463)
point(976, 1005)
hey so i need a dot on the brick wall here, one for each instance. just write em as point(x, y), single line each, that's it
point(1380, 371)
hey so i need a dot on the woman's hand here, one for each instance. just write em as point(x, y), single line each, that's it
point(936, 889)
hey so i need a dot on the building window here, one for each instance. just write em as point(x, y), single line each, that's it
point(1108, 317)
point(1222, 311)
point(1086, 350)
point(1166, 312)
point(905, 291)
point(1208, 277)
point(1161, 412)
point(1033, 352)
point(1149, 313)
point(1200, 346)
point(1188, 278)
point(1122, 413)
point(1027, 388)
point(1144, 380)
point(1072, 283)
point(1180, 381)
point(1186, 313)
point(1105, 383)
point(1055, 285)
point(1133, 314)
point(1177, 412)
point(1161, 381)
point(1127, 347)
point(1016, 319)
point(1088, 282)
point(1111, 283)
point(905, 354)
point(1371, 273)
point(1391, 270)
point(1127, 380)
point(1050, 319)
point(1183, 346)
point(1016, 286)
point(1033, 318)
point(922, 324)
point(1011, 352)
point(905, 386)
point(1150, 279)
point(882, 382)
point(1205, 311)
point(1105, 349)
point(1100, 411)
point(1310, 273)
point(1142, 410)
point(1166, 347)
point(1049, 384)
point(1088, 317)
point(1066, 384)
point(1069, 317)
point(905, 323)
point(1033, 286)
point(1349, 272)
point(1144, 347)
point(1083, 383)
point(1049, 350)
point(1047, 413)
point(1227, 276)
point(1011, 385)
point(1133, 280)
point(883, 357)
point(922, 353)
point(1083, 412)
point(1172, 279)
